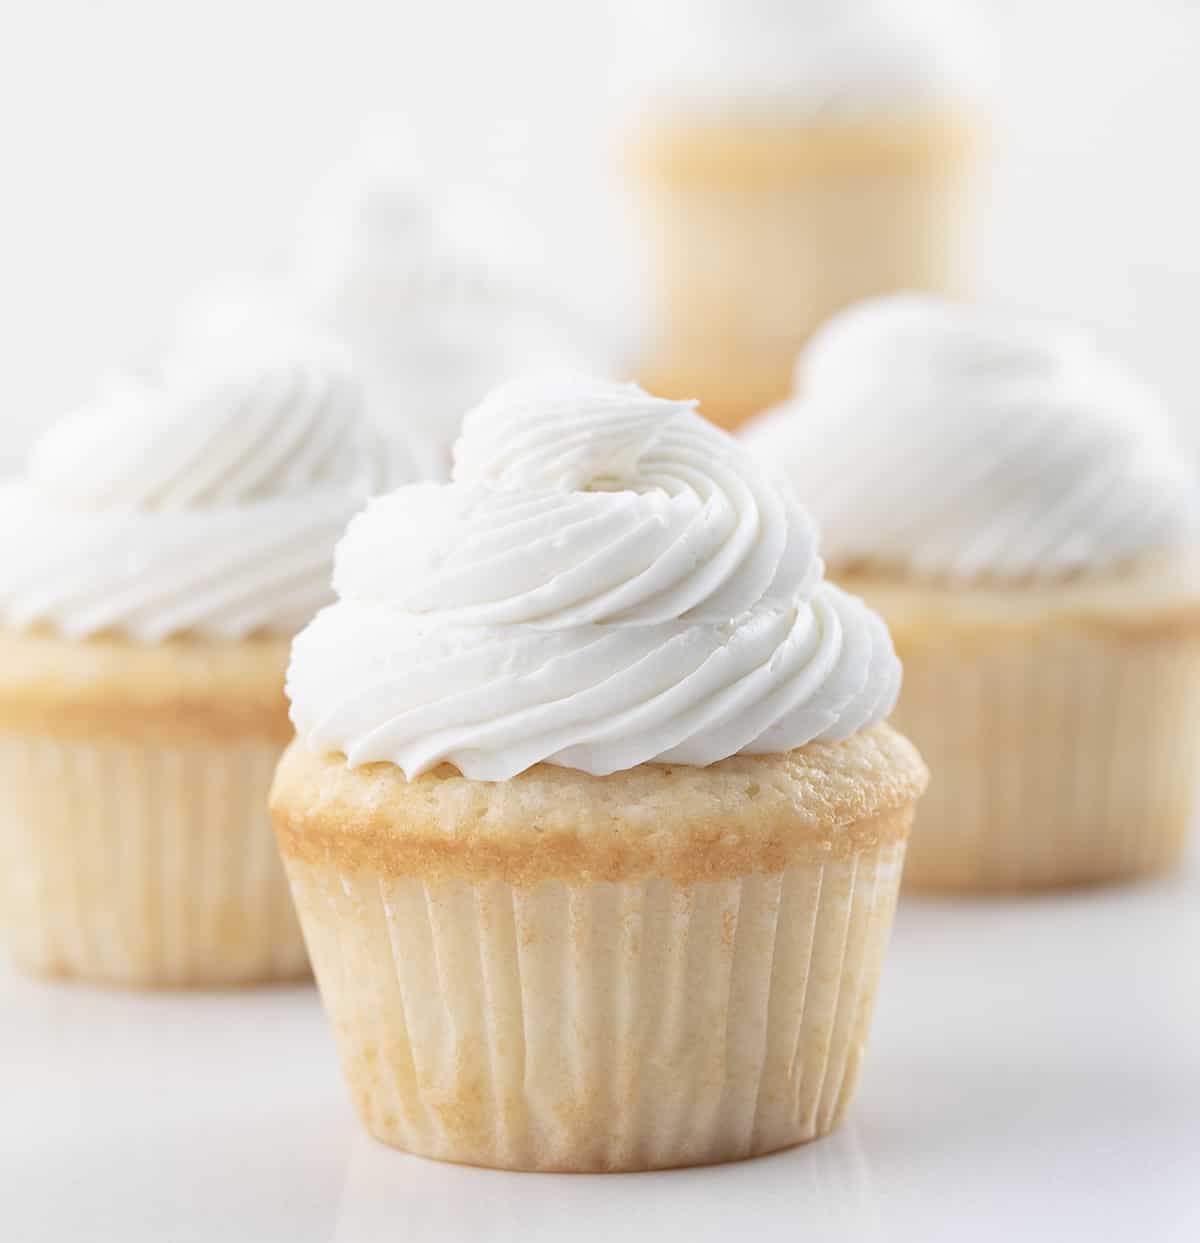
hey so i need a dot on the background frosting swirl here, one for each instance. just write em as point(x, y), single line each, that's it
point(437, 296)
point(608, 581)
point(206, 499)
point(964, 443)
point(806, 58)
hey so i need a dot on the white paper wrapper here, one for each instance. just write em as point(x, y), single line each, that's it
point(606, 1026)
point(140, 864)
point(1058, 757)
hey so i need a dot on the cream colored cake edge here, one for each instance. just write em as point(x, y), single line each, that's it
point(745, 814)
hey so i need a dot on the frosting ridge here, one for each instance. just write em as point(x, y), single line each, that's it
point(205, 499)
point(608, 581)
point(955, 441)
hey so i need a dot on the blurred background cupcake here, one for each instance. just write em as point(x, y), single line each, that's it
point(161, 549)
point(793, 158)
point(426, 284)
point(1014, 505)
point(102, 249)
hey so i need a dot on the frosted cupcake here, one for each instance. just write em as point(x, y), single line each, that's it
point(1014, 506)
point(164, 547)
point(593, 822)
point(418, 289)
point(794, 157)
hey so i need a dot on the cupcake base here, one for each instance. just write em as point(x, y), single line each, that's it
point(1062, 727)
point(490, 1013)
point(601, 1027)
point(135, 846)
point(134, 864)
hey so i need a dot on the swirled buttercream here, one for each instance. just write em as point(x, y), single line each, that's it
point(202, 500)
point(946, 440)
point(414, 394)
point(608, 581)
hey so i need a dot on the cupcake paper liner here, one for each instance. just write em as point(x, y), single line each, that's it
point(1057, 758)
point(600, 1026)
point(760, 239)
point(143, 864)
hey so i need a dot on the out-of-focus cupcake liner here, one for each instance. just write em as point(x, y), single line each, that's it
point(143, 864)
point(1058, 758)
point(753, 255)
point(604, 1026)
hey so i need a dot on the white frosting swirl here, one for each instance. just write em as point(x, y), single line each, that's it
point(416, 401)
point(202, 500)
point(609, 581)
point(808, 58)
point(425, 291)
point(954, 441)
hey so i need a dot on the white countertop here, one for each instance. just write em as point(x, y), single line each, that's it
point(1034, 1074)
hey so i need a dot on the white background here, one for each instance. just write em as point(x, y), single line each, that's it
point(149, 146)
point(1035, 1069)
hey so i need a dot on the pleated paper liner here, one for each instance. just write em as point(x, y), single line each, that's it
point(602, 1026)
point(140, 864)
point(1059, 757)
point(762, 232)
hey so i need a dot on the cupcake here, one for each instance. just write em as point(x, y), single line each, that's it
point(1014, 506)
point(162, 549)
point(430, 301)
point(593, 821)
point(791, 158)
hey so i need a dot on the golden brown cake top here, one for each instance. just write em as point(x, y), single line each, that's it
point(716, 152)
point(1158, 596)
point(184, 689)
point(746, 814)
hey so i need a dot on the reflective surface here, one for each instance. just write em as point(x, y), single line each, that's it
point(1034, 1073)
